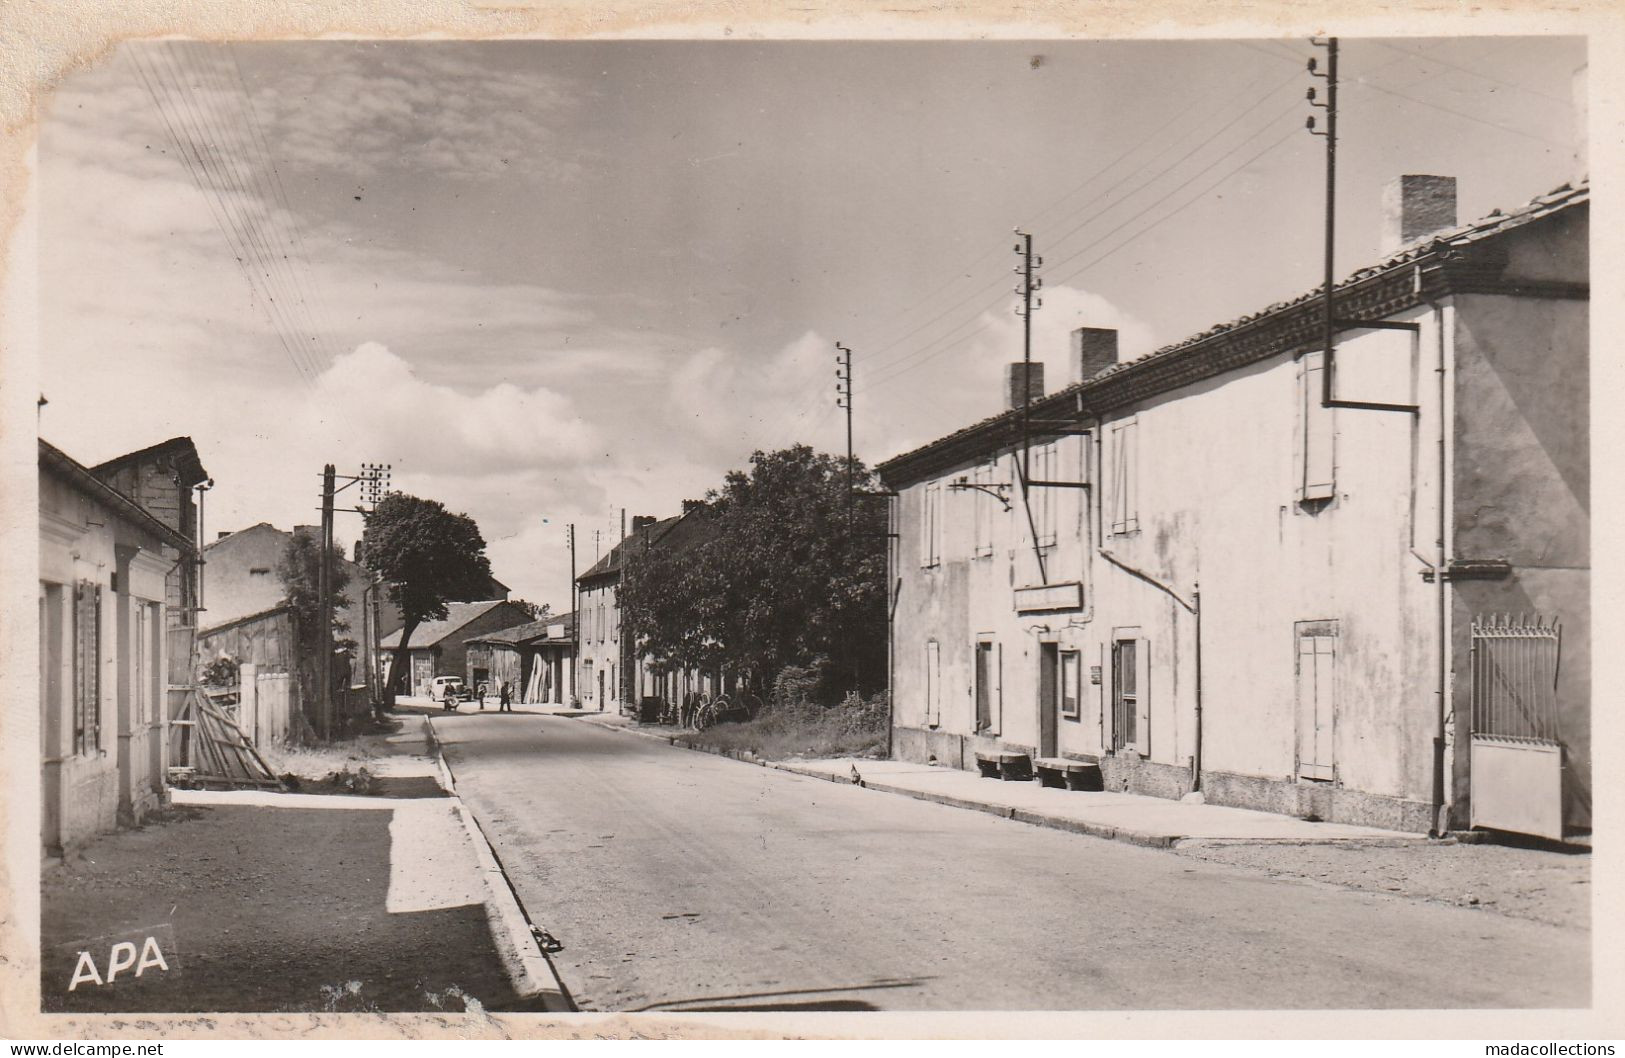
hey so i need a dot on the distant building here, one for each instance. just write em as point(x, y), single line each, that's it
point(536, 658)
point(246, 591)
point(105, 563)
point(439, 648)
point(613, 673)
point(606, 660)
point(1207, 578)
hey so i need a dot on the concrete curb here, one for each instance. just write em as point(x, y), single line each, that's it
point(533, 974)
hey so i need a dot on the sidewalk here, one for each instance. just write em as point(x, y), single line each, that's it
point(269, 901)
point(1134, 818)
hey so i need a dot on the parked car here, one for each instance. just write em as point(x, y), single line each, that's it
point(443, 687)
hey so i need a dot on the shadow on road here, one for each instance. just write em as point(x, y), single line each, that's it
point(713, 1004)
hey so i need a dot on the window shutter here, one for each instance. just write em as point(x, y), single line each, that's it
point(1142, 704)
point(1316, 457)
point(998, 689)
point(933, 683)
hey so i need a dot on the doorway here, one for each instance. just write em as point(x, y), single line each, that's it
point(1049, 702)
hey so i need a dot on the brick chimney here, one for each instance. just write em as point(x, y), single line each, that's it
point(689, 505)
point(641, 522)
point(314, 532)
point(1021, 378)
point(1094, 349)
point(1416, 206)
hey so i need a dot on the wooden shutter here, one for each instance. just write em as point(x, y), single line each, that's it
point(1316, 461)
point(1317, 656)
point(87, 667)
point(1142, 701)
point(933, 683)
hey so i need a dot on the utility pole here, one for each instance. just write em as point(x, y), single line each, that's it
point(324, 600)
point(575, 620)
point(1329, 321)
point(843, 399)
point(1029, 285)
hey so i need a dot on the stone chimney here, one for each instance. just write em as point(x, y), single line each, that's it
point(641, 522)
point(1094, 349)
point(689, 505)
point(314, 532)
point(1021, 378)
point(1416, 206)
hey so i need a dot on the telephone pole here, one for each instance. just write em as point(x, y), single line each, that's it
point(843, 399)
point(1328, 320)
point(1029, 285)
point(324, 602)
point(575, 620)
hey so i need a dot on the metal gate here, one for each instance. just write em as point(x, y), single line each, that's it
point(1516, 771)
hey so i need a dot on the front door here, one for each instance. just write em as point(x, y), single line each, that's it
point(1125, 693)
point(984, 695)
point(1049, 704)
point(422, 674)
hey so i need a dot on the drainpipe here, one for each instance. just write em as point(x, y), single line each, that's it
point(1440, 571)
point(1196, 754)
point(893, 594)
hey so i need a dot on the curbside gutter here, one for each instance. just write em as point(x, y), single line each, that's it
point(533, 974)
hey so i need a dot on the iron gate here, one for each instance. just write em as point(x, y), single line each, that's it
point(1517, 750)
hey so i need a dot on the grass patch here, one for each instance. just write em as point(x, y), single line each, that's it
point(855, 728)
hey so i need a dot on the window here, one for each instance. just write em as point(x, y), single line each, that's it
point(933, 683)
point(1125, 474)
point(87, 667)
point(982, 476)
point(931, 524)
point(1316, 433)
point(1046, 466)
point(1071, 680)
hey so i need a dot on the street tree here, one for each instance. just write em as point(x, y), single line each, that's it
point(771, 571)
point(299, 569)
point(428, 556)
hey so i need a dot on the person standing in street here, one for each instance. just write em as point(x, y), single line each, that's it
point(507, 697)
point(479, 689)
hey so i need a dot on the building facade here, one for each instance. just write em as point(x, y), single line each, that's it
point(536, 659)
point(105, 566)
point(1203, 576)
point(440, 648)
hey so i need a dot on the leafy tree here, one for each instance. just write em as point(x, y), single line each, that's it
point(300, 571)
point(537, 613)
point(769, 573)
point(428, 556)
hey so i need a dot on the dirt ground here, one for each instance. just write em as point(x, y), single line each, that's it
point(269, 909)
point(1546, 886)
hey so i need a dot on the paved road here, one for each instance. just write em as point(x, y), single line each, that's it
point(682, 881)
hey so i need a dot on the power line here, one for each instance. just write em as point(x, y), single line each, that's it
point(195, 167)
point(1096, 217)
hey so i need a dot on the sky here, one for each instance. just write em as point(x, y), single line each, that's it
point(549, 281)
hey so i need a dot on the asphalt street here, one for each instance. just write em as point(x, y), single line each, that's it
point(679, 880)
